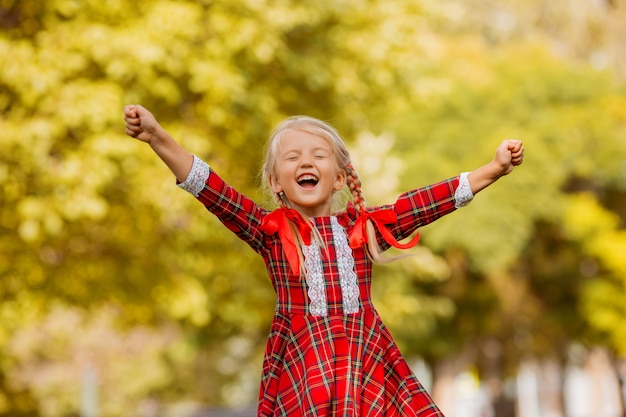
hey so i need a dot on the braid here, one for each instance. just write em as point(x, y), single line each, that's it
point(354, 183)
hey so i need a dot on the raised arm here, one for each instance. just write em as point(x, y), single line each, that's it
point(509, 154)
point(142, 125)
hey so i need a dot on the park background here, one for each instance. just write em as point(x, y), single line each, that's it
point(121, 296)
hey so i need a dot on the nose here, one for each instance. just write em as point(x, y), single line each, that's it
point(306, 161)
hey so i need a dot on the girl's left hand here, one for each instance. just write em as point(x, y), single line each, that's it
point(510, 154)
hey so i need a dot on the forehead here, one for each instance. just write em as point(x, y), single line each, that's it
point(295, 139)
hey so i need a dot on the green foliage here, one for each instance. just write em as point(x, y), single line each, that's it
point(540, 268)
point(602, 300)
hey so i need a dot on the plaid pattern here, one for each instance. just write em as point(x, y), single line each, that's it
point(338, 364)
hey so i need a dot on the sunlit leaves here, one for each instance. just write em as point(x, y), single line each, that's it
point(603, 298)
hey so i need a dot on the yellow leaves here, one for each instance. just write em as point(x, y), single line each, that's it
point(67, 8)
point(611, 248)
point(167, 90)
point(24, 310)
point(616, 106)
point(35, 219)
point(84, 206)
point(39, 217)
point(85, 103)
point(587, 221)
point(585, 218)
point(174, 18)
point(70, 185)
point(603, 306)
point(105, 46)
point(28, 144)
point(217, 79)
point(186, 300)
point(26, 72)
point(602, 299)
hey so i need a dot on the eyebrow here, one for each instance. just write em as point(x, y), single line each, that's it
point(299, 150)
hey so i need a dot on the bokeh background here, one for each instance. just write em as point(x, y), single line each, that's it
point(121, 296)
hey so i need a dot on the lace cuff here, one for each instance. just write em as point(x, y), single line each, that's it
point(196, 178)
point(463, 194)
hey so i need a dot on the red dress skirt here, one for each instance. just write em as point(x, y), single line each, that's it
point(328, 352)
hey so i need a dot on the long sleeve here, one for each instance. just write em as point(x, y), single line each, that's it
point(237, 212)
point(424, 205)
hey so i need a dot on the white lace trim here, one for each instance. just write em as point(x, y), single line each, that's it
point(345, 263)
point(318, 305)
point(315, 280)
point(196, 179)
point(463, 194)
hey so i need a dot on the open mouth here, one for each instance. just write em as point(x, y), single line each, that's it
point(307, 181)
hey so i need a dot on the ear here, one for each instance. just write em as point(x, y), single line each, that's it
point(340, 180)
point(275, 185)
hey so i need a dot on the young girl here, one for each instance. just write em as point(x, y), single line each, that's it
point(328, 352)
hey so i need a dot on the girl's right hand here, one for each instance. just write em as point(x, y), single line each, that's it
point(140, 123)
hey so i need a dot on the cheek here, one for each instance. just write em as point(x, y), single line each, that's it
point(283, 173)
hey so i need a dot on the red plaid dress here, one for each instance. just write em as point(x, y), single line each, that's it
point(328, 352)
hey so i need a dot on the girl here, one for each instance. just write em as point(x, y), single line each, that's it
point(328, 352)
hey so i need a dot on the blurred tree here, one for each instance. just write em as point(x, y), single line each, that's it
point(531, 268)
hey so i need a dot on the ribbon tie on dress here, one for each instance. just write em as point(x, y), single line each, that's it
point(358, 236)
point(278, 222)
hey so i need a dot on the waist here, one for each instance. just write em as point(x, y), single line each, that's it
point(328, 309)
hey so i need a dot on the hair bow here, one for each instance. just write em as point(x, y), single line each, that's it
point(278, 221)
point(358, 236)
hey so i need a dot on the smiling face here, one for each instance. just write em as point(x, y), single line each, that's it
point(307, 172)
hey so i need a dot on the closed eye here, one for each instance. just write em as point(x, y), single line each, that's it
point(291, 156)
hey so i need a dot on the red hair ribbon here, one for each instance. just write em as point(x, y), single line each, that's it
point(278, 222)
point(358, 236)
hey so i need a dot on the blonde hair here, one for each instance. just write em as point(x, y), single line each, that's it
point(325, 131)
